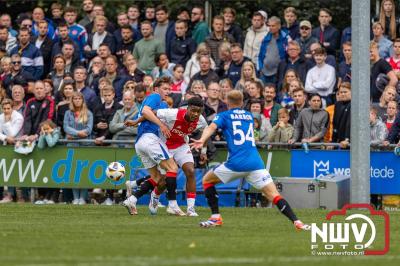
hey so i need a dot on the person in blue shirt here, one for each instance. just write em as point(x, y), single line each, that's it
point(237, 126)
point(151, 149)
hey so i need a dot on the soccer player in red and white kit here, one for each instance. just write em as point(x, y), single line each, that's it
point(181, 123)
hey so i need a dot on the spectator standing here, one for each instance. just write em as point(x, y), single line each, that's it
point(306, 39)
point(130, 68)
point(226, 86)
point(99, 36)
point(272, 51)
point(164, 29)
point(182, 47)
point(254, 37)
point(134, 15)
point(18, 94)
point(200, 28)
point(31, 57)
point(7, 40)
point(391, 113)
point(294, 62)
point(91, 100)
point(300, 102)
point(248, 73)
point(87, 7)
point(217, 37)
point(231, 27)
point(63, 37)
point(379, 66)
point(341, 117)
point(291, 25)
point(384, 44)
point(206, 74)
point(78, 124)
point(150, 13)
point(76, 32)
point(213, 101)
point(38, 109)
point(45, 44)
point(58, 72)
point(37, 16)
point(271, 107)
point(312, 123)
point(65, 96)
point(128, 112)
point(71, 59)
point(235, 68)
point(394, 60)
point(17, 74)
point(330, 59)
point(147, 48)
point(105, 114)
point(5, 20)
point(344, 71)
point(378, 128)
point(123, 21)
point(321, 78)
point(56, 14)
point(389, 94)
point(193, 65)
point(98, 10)
point(388, 19)
point(327, 35)
point(126, 45)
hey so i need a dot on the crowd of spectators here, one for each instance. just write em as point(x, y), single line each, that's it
point(81, 79)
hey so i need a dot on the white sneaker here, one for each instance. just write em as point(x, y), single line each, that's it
point(81, 201)
point(191, 212)
point(107, 202)
point(175, 210)
point(153, 204)
point(39, 202)
point(130, 205)
point(6, 199)
point(97, 191)
point(160, 205)
point(75, 201)
point(50, 202)
point(299, 225)
point(130, 185)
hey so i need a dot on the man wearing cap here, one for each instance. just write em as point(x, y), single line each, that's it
point(306, 39)
point(255, 35)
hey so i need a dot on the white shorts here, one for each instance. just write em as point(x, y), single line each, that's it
point(258, 178)
point(182, 155)
point(151, 150)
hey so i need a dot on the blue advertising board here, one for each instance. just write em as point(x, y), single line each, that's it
point(384, 169)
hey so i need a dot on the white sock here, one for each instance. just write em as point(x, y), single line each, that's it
point(172, 203)
point(216, 215)
point(133, 183)
point(190, 202)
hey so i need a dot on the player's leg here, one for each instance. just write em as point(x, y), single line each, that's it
point(171, 169)
point(262, 180)
point(188, 169)
point(184, 158)
point(209, 181)
point(131, 185)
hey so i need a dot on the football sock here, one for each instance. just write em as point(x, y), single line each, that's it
point(171, 185)
point(191, 198)
point(145, 187)
point(212, 197)
point(141, 180)
point(284, 208)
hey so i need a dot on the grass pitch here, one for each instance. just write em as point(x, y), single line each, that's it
point(103, 235)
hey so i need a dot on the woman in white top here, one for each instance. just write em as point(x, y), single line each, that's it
point(10, 122)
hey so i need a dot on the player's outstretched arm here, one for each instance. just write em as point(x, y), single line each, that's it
point(148, 114)
point(134, 123)
point(197, 144)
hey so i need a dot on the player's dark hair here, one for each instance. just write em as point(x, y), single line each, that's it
point(196, 101)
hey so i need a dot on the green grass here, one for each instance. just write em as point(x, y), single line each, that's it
point(101, 235)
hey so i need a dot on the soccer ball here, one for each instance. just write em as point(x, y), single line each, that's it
point(115, 171)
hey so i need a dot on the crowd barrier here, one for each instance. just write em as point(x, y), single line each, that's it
point(84, 166)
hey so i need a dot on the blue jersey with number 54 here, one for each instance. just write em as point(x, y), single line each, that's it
point(238, 128)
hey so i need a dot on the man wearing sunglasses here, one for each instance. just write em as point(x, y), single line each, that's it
point(17, 75)
point(31, 57)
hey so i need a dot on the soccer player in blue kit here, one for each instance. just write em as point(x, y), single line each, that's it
point(152, 151)
point(243, 161)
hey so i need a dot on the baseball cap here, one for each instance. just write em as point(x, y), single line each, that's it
point(305, 23)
